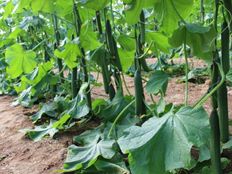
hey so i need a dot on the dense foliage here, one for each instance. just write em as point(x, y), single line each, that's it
point(50, 49)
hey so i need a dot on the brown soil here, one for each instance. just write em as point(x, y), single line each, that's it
point(19, 155)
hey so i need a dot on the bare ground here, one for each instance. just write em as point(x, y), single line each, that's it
point(19, 155)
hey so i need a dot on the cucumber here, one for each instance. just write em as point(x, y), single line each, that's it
point(98, 19)
point(105, 76)
point(142, 27)
point(139, 95)
point(215, 143)
point(109, 39)
point(57, 44)
point(46, 55)
point(222, 91)
point(74, 82)
point(140, 108)
point(117, 61)
point(111, 92)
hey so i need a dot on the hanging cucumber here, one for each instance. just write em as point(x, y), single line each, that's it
point(105, 77)
point(142, 40)
point(86, 78)
point(46, 55)
point(139, 93)
point(109, 38)
point(83, 65)
point(74, 82)
point(115, 60)
point(118, 67)
point(228, 7)
point(57, 44)
point(215, 143)
point(112, 46)
point(142, 27)
point(108, 86)
point(222, 91)
point(111, 92)
point(106, 74)
point(98, 20)
point(202, 12)
point(214, 120)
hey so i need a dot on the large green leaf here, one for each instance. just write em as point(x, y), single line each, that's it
point(39, 79)
point(46, 108)
point(160, 41)
point(117, 166)
point(126, 58)
point(109, 111)
point(135, 8)
point(39, 132)
point(94, 4)
point(94, 145)
point(88, 38)
point(43, 5)
point(100, 56)
point(164, 144)
point(157, 83)
point(105, 167)
point(69, 54)
point(200, 39)
point(166, 11)
point(22, 5)
point(19, 60)
point(42, 71)
point(126, 42)
point(8, 9)
point(78, 106)
point(63, 7)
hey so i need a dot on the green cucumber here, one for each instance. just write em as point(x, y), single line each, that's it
point(215, 143)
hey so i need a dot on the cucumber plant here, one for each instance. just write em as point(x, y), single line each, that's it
point(51, 51)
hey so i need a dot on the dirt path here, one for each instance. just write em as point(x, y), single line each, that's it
point(19, 155)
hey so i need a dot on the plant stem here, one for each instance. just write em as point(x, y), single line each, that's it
point(98, 19)
point(75, 88)
point(142, 40)
point(202, 12)
point(119, 117)
point(186, 70)
point(178, 14)
point(212, 91)
point(86, 79)
point(228, 7)
point(57, 44)
point(112, 13)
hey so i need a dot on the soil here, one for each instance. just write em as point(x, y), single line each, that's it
point(18, 155)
